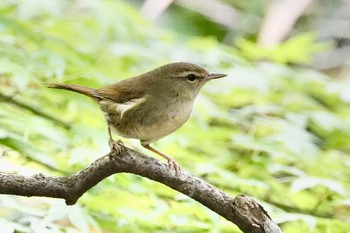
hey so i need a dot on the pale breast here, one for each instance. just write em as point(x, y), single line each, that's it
point(148, 122)
point(165, 125)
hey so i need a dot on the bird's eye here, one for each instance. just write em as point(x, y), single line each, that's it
point(191, 77)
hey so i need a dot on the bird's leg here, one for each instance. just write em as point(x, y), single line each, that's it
point(171, 161)
point(113, 144)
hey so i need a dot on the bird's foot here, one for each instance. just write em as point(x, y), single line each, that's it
point(116, 146)
point(172, 164)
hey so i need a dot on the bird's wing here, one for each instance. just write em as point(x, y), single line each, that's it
point(121, 92)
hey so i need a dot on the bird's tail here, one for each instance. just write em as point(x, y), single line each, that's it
point(75, 88)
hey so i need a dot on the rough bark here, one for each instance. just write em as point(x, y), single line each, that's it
point(243, 211)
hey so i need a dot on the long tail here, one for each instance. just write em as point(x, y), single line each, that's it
point(79, 89)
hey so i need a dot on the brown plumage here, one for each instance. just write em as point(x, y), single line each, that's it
point(149, 106)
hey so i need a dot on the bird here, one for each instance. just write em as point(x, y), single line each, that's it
point(149, 106)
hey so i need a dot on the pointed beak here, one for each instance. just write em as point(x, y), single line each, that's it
point(215, 76)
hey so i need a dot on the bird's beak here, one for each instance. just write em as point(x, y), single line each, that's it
point(215, 76)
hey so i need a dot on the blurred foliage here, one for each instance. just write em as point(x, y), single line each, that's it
point(276, 133)
point(298, 49)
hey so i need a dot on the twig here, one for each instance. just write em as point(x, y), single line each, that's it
point(11, 100)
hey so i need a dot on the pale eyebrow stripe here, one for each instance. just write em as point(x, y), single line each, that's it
point(185, 73)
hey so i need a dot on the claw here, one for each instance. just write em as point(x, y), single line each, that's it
point(116, 146)
point(171, 161)
point(173, 165)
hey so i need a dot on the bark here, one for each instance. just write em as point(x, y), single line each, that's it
point(243, 211)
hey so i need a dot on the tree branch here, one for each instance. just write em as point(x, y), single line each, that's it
point(247, 214)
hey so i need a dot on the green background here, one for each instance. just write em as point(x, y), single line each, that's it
point(276, 132)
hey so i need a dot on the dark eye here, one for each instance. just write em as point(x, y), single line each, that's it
point(191, 77)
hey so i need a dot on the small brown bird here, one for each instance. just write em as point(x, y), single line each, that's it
point(149, 106)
